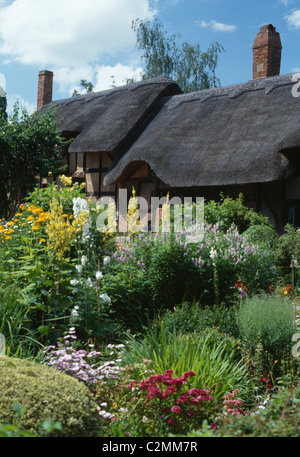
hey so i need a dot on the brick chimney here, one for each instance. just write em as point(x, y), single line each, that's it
point(266, 52)
point(45, 87)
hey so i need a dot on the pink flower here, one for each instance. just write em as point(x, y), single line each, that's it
point(176, 409)
point(188, 374)
point(183, 398)
point(170, 390)
point(190, 413)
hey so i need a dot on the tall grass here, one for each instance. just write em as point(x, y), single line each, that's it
point(210, 357)
point(14, 321)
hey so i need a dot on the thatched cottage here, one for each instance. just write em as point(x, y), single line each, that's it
point(149, 135)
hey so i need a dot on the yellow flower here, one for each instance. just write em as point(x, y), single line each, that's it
point(42, 240)
point(23, 207)
point(59, 231)
point(30, 218)
point(43, 216)
point(133, 213)
point(11, 223)
point(18, 215)
point(65, 180)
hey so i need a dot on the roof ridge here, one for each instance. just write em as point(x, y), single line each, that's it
point(106, 92)
point(233, 90)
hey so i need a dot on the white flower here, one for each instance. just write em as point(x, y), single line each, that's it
point(74, 315)
point(89, 282)
point(84, 260)
point(213, 255)
point(79, 205)
point(99, 275)
point(105, 298)
point(78, 268)
point(106, 260)
point(74, 282)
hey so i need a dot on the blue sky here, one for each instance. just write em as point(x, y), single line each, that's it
point(93, 39)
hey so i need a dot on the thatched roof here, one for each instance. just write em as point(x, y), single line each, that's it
point(230, 135)
point(104, 121)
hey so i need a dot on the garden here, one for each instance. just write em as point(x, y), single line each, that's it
point(149, 334)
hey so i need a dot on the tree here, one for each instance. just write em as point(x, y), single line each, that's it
point(185, 63)
point(30, 148)
point(88, 86)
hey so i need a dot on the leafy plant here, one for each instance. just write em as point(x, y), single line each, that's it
point(209, 357)
point(266, 328)
point(30, 148)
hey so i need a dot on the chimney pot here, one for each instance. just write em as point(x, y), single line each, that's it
point(45, 88)
point(266, 52)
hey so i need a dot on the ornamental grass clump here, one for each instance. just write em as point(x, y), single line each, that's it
point(266, 329)
point(211, 355)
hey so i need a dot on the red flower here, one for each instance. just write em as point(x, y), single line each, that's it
point(176, 409)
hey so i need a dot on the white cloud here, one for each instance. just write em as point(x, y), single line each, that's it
point(107, 76)
point(68, 33)
point(284, 2)
point(293, 19)
point(103, 77)
point(217, 26)
point(11, 100)
point(2, 81)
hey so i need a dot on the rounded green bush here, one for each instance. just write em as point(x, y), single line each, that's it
point(46, 394)
point(262, 235)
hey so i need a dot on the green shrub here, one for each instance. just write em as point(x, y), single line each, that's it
point(262, 235)
point(288, 248)
point(229, 211)
point(171, 273)
point(266, 327)
point(45, 394)
point(192, 317)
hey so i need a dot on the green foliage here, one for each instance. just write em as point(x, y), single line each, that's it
point(262, 235)
point(44, 394)
point(88, 86)
point(30, 148)
point(185, 63)
point(288, 247)
point(280, 418)
point(20, 339)
point(229, 211)
point(129, 292)
point(171, 273)
point(208, 354)
point(46, 260)
point(192, 317)
point(266, 328)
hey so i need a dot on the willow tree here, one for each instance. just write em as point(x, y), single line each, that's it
point(165, 55)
